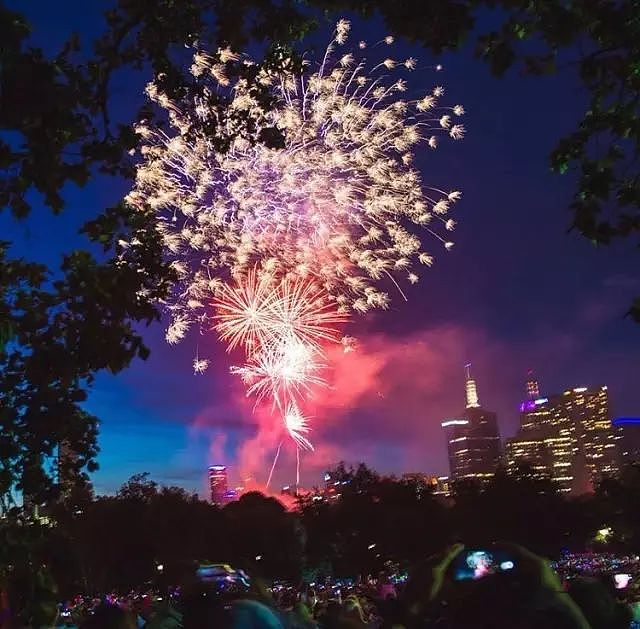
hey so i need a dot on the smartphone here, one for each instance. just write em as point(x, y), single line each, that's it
point(477, 564)
point(621, 580)
point(221, 575)
point(213, 573)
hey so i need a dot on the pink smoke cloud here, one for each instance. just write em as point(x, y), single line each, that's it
point(388, 391)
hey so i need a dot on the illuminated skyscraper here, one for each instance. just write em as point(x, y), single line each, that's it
point(597, 439)
point(473, 440)
point(218, 484)
point(567, 437)
point(530, 453)
point(533, 390)
point(471, 391)
point(543, 457)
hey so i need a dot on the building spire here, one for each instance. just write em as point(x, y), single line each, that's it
point(470, 388)
point(533, 390)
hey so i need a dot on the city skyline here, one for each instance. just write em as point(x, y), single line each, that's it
point(569, 437)
point(509, 419)
point(550, 435)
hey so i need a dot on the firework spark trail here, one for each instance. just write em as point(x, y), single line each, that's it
point(258, 314)
point(275, 247)
point(284, 372)
point(297, 426)
point(281, 327)
point(273, 466)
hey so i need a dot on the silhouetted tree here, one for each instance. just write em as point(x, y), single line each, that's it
point(522, 509)
point(616, 505)
point(371, 521)
point(264, 538)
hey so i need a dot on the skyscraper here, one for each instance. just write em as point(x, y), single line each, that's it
point(567, 437)
point(533, 390)
point(544, 443)
point(218, 484)
point(470, 389)
point(597, 439)
point(543, 457)
point(473, 440)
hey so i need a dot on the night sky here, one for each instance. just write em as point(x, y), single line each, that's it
point(517, 292)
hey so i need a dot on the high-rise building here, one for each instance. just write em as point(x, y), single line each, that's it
point(533, 390)
point(597, 439)
point(542, 457)
point(218, 484)
point(470, 389)
point(527, 452)
point(567, 437)
point(473, 439)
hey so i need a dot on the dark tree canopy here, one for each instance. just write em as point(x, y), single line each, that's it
point(58, 327)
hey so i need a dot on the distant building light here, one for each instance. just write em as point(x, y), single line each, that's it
point(217, 468)
point(541, 400)
point(455, 422)
point(603, 534)
point(580, 389)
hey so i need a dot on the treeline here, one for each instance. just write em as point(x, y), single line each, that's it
point(147, 534)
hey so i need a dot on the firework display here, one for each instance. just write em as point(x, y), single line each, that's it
point(275, 246)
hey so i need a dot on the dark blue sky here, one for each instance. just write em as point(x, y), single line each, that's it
point(516, 292)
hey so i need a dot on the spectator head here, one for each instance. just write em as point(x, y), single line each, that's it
point(109, 617)
point(597, 600)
